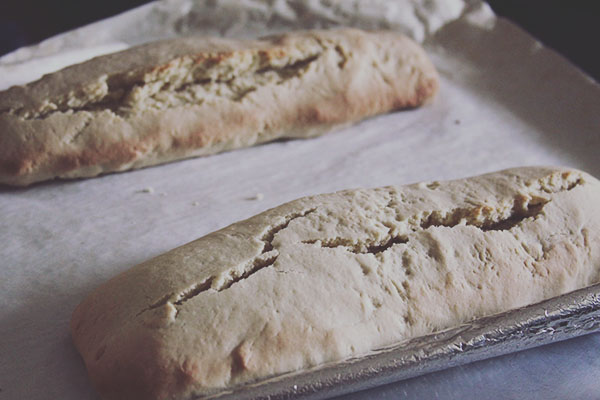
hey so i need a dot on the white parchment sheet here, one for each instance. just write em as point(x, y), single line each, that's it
point(504, 101)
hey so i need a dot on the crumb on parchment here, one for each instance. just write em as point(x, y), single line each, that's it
point(257, 196)
point(148, 189)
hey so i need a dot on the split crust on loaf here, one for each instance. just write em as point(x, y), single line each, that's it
point(333, 276)
point(196, 96)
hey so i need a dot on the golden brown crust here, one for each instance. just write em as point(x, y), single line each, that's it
point(197, 96)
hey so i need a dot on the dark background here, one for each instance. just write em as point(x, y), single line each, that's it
point(570, 27)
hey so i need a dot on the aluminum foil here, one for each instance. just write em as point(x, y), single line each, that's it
point(560, 318)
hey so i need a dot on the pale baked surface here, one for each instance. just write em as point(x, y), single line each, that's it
point(326, 277)
point(190, 97)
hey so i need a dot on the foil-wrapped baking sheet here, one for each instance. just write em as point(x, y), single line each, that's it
point(505, 100)
point(568, 316)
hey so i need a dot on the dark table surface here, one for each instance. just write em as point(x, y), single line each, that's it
point(570, 27)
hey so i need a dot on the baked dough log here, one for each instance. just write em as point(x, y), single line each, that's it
point(190, 97)
point(331, 276)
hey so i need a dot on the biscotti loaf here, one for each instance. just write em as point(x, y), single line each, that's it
point(327, 277)
point(196, 96)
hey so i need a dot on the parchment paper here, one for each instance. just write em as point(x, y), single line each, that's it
point(505, 101)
